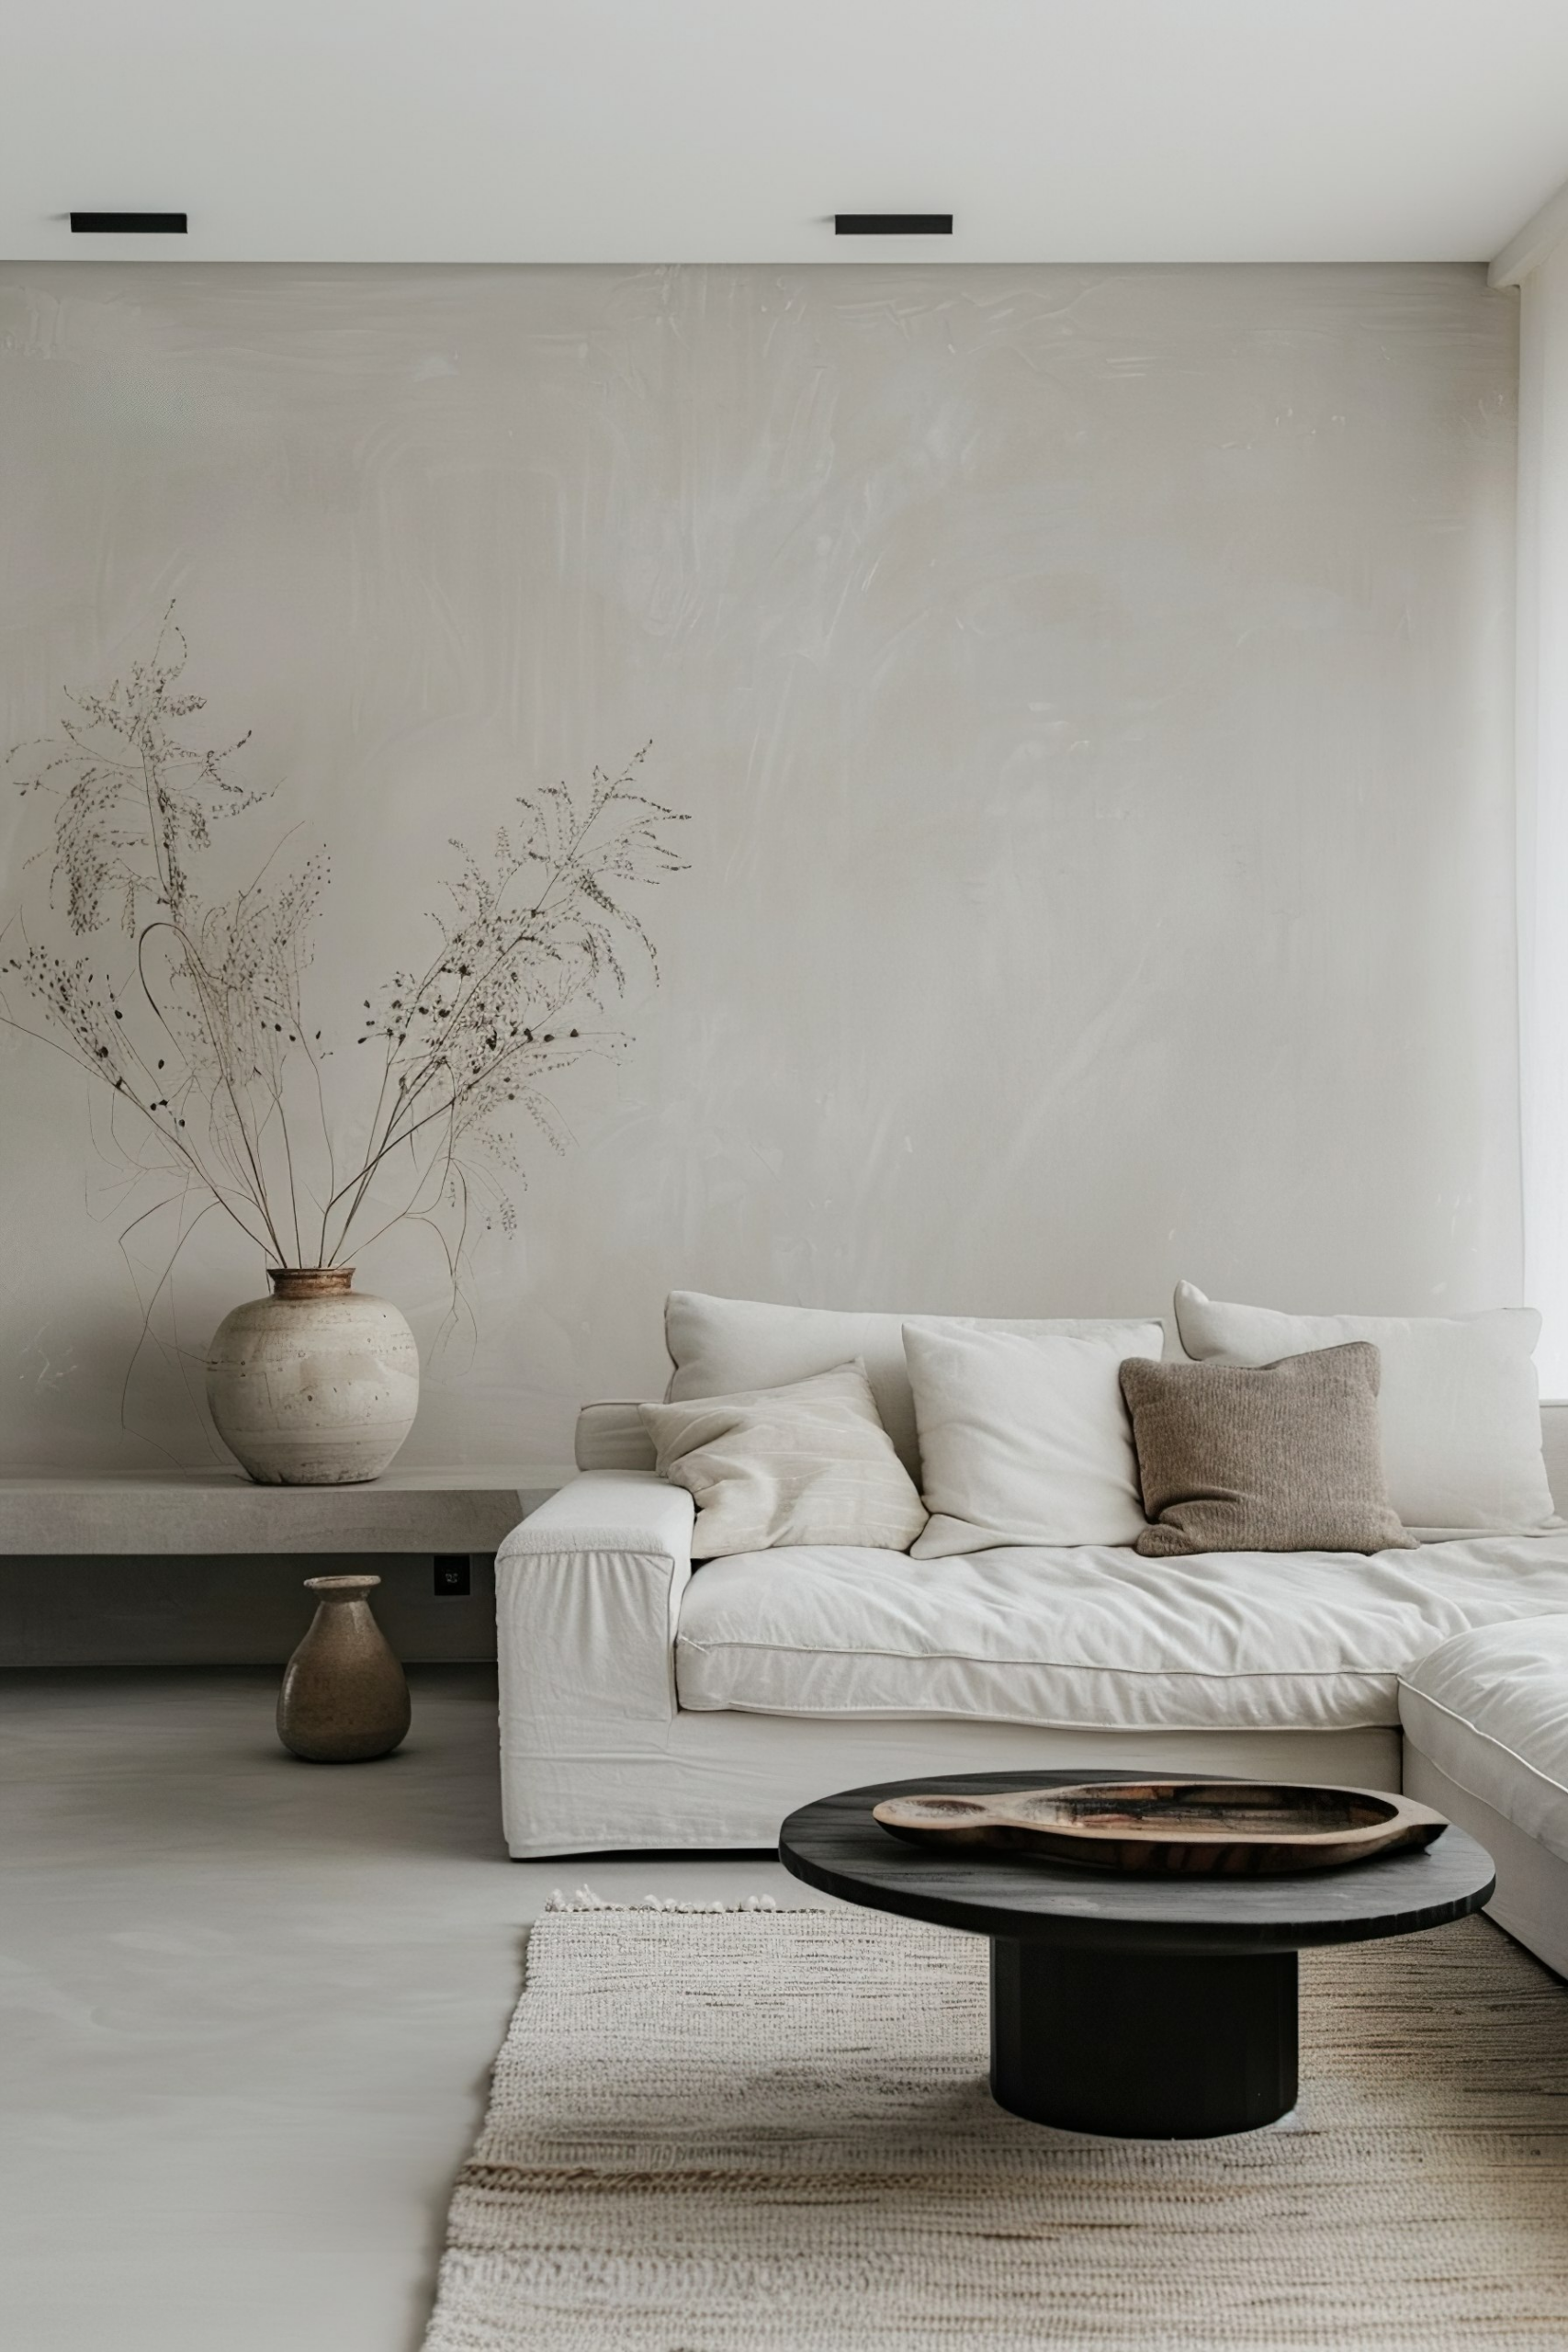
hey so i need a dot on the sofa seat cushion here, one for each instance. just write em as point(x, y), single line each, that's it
point(1096, 1637)
point(1490, 1709)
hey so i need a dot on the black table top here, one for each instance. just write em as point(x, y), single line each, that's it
point(835, 1845)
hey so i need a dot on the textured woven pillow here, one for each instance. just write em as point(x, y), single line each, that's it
point(1280, 1457)
point(806, 1463)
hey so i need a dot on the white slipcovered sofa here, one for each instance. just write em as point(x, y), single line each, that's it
point(647, 1705)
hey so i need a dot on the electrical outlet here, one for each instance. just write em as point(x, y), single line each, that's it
point(452, 1581)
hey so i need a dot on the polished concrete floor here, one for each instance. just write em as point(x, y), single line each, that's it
point(248, 2006)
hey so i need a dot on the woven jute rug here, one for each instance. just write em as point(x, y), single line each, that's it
point(767, 2130)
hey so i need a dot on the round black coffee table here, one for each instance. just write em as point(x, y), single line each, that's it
point(1151, 2008)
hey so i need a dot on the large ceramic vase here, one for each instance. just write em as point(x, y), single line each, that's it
point(344, 1698)
point(317, 1386)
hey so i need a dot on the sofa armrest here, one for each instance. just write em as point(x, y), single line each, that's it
point(609, 1510)
point(587, 1598)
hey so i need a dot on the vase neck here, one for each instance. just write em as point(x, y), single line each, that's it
point(310, 1282)
point(341, 1589)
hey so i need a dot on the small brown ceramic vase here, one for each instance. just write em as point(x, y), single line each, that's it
point(344, 1698)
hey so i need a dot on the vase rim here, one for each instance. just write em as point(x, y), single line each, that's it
point(310, 1282)
point(343, 1587)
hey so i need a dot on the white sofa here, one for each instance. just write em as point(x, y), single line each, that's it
point(644, 1706)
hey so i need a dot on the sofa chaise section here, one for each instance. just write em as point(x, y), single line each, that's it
point(1485, 1719)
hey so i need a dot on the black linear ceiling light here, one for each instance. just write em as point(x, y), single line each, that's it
point(893, 224)
point(127, 224)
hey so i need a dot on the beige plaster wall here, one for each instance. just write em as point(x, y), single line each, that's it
point(1089, 689)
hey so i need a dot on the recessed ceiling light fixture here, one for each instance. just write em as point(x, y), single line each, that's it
point(127, 224)
point(893, 224)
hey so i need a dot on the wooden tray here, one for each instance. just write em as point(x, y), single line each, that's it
point(1211, 1829)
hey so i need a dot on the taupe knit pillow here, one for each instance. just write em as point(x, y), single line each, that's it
point(1279, 1457)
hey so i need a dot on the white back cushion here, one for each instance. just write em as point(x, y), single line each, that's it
point(612, 1437)
point(1458, 1403)
point(719, 1346)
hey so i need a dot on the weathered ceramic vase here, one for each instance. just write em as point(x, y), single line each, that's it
point(344, 1697)
point(317, 1386)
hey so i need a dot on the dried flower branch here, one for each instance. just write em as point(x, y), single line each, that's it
point(199, 1022)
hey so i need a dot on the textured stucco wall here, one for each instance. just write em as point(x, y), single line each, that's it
point(1090, 690)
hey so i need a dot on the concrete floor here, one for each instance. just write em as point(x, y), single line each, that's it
point(248, 2008)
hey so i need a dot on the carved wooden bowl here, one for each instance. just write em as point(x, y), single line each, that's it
point(1200, 1828)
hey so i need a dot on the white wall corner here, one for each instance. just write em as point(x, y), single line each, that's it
point(1542, 741)
point(1527, 250)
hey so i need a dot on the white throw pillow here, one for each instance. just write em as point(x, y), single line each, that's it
point(717, 1345)
point(1459, 1403)
point(1025, 1439)
point(807, 1463)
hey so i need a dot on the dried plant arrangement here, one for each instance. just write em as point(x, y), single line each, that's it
point(187, 1002)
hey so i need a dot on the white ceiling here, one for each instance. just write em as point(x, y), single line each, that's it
point(501, 130)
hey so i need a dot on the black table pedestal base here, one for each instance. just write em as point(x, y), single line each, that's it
point(1159, 2046)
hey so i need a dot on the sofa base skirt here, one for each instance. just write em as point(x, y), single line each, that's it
point(727, 1779)
point(1531, 1900)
